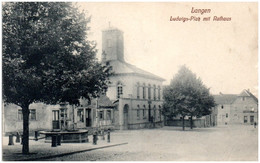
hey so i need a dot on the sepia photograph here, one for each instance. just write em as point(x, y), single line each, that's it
point(129, 81)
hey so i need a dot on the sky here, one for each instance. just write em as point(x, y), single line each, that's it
point(224, 54)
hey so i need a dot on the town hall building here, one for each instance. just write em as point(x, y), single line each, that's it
point(137, 94)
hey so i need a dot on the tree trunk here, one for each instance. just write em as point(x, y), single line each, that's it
point(183, 124)
point(25, 138)
point(191, 122)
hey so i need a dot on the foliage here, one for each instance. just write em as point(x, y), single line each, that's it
point(187, 96)
point(46, 57)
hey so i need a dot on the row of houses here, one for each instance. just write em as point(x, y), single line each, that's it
point(133, 100)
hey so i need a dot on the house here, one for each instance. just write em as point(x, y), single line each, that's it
point(136, 93)
point(223, 107)
point(97, 112)
point(237, 109)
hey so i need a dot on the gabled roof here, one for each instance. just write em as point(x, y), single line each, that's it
point(246, 93)
point(224, 98)
point(230, 98)
point(103, 102)
point(120, 67)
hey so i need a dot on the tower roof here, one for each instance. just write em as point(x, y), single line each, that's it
point(111, 29)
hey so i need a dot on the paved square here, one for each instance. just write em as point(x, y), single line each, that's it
point(222, 143)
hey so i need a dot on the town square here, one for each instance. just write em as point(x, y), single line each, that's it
point(83, 83)
point(226, 143)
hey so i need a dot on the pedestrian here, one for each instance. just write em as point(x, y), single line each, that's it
point(255, 124)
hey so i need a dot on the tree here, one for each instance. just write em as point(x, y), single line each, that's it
point(46, 57)
point(187, 96)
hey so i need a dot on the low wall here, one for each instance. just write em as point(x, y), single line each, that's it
point(196, 123)
point(145, 125)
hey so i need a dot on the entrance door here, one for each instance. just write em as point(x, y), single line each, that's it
point(252, 119)
point(55, 119)
point(126, 116)
point(88, 117)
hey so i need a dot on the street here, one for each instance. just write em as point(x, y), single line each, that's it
point(223, 143)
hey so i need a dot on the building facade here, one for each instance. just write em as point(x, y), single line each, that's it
point(136, 93)
point(97, 112)
point(237, 109)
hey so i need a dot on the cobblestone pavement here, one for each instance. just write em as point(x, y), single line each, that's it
point(224, 143)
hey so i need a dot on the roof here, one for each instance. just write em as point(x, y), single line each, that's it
point(224, 98)
point(120, 67)
point(247, 93)
point(111, 29)
point(103, 102)
point(230, 98)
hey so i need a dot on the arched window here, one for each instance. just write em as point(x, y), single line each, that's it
point(149, 91)
point(159, 92)
point(144, 92)
point(160, 113)
point(119, 89)
point(154, 92)
point(144, 112)
point(138, 112)
point(138, 91)
point(154, 112)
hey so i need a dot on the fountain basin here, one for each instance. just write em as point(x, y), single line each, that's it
point(73, 136)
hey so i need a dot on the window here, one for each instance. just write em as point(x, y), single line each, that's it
point(245, 119)
point(63, 113)
point(144, 112)
point(149, 91)
point(138, 113)
point(119, 90)
point(159, 92)
point(109, 115)
point(101, 115)
point(55, 115)
point(20, 115)
point(138, 91)
point(222, 107)
point(144, 92)
point(154, 112)
point(243, 98)
point(226, 115)
point(160, 112)
point(32, 115)
point(80, 115)
point(251, 119)
point(154, 92)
